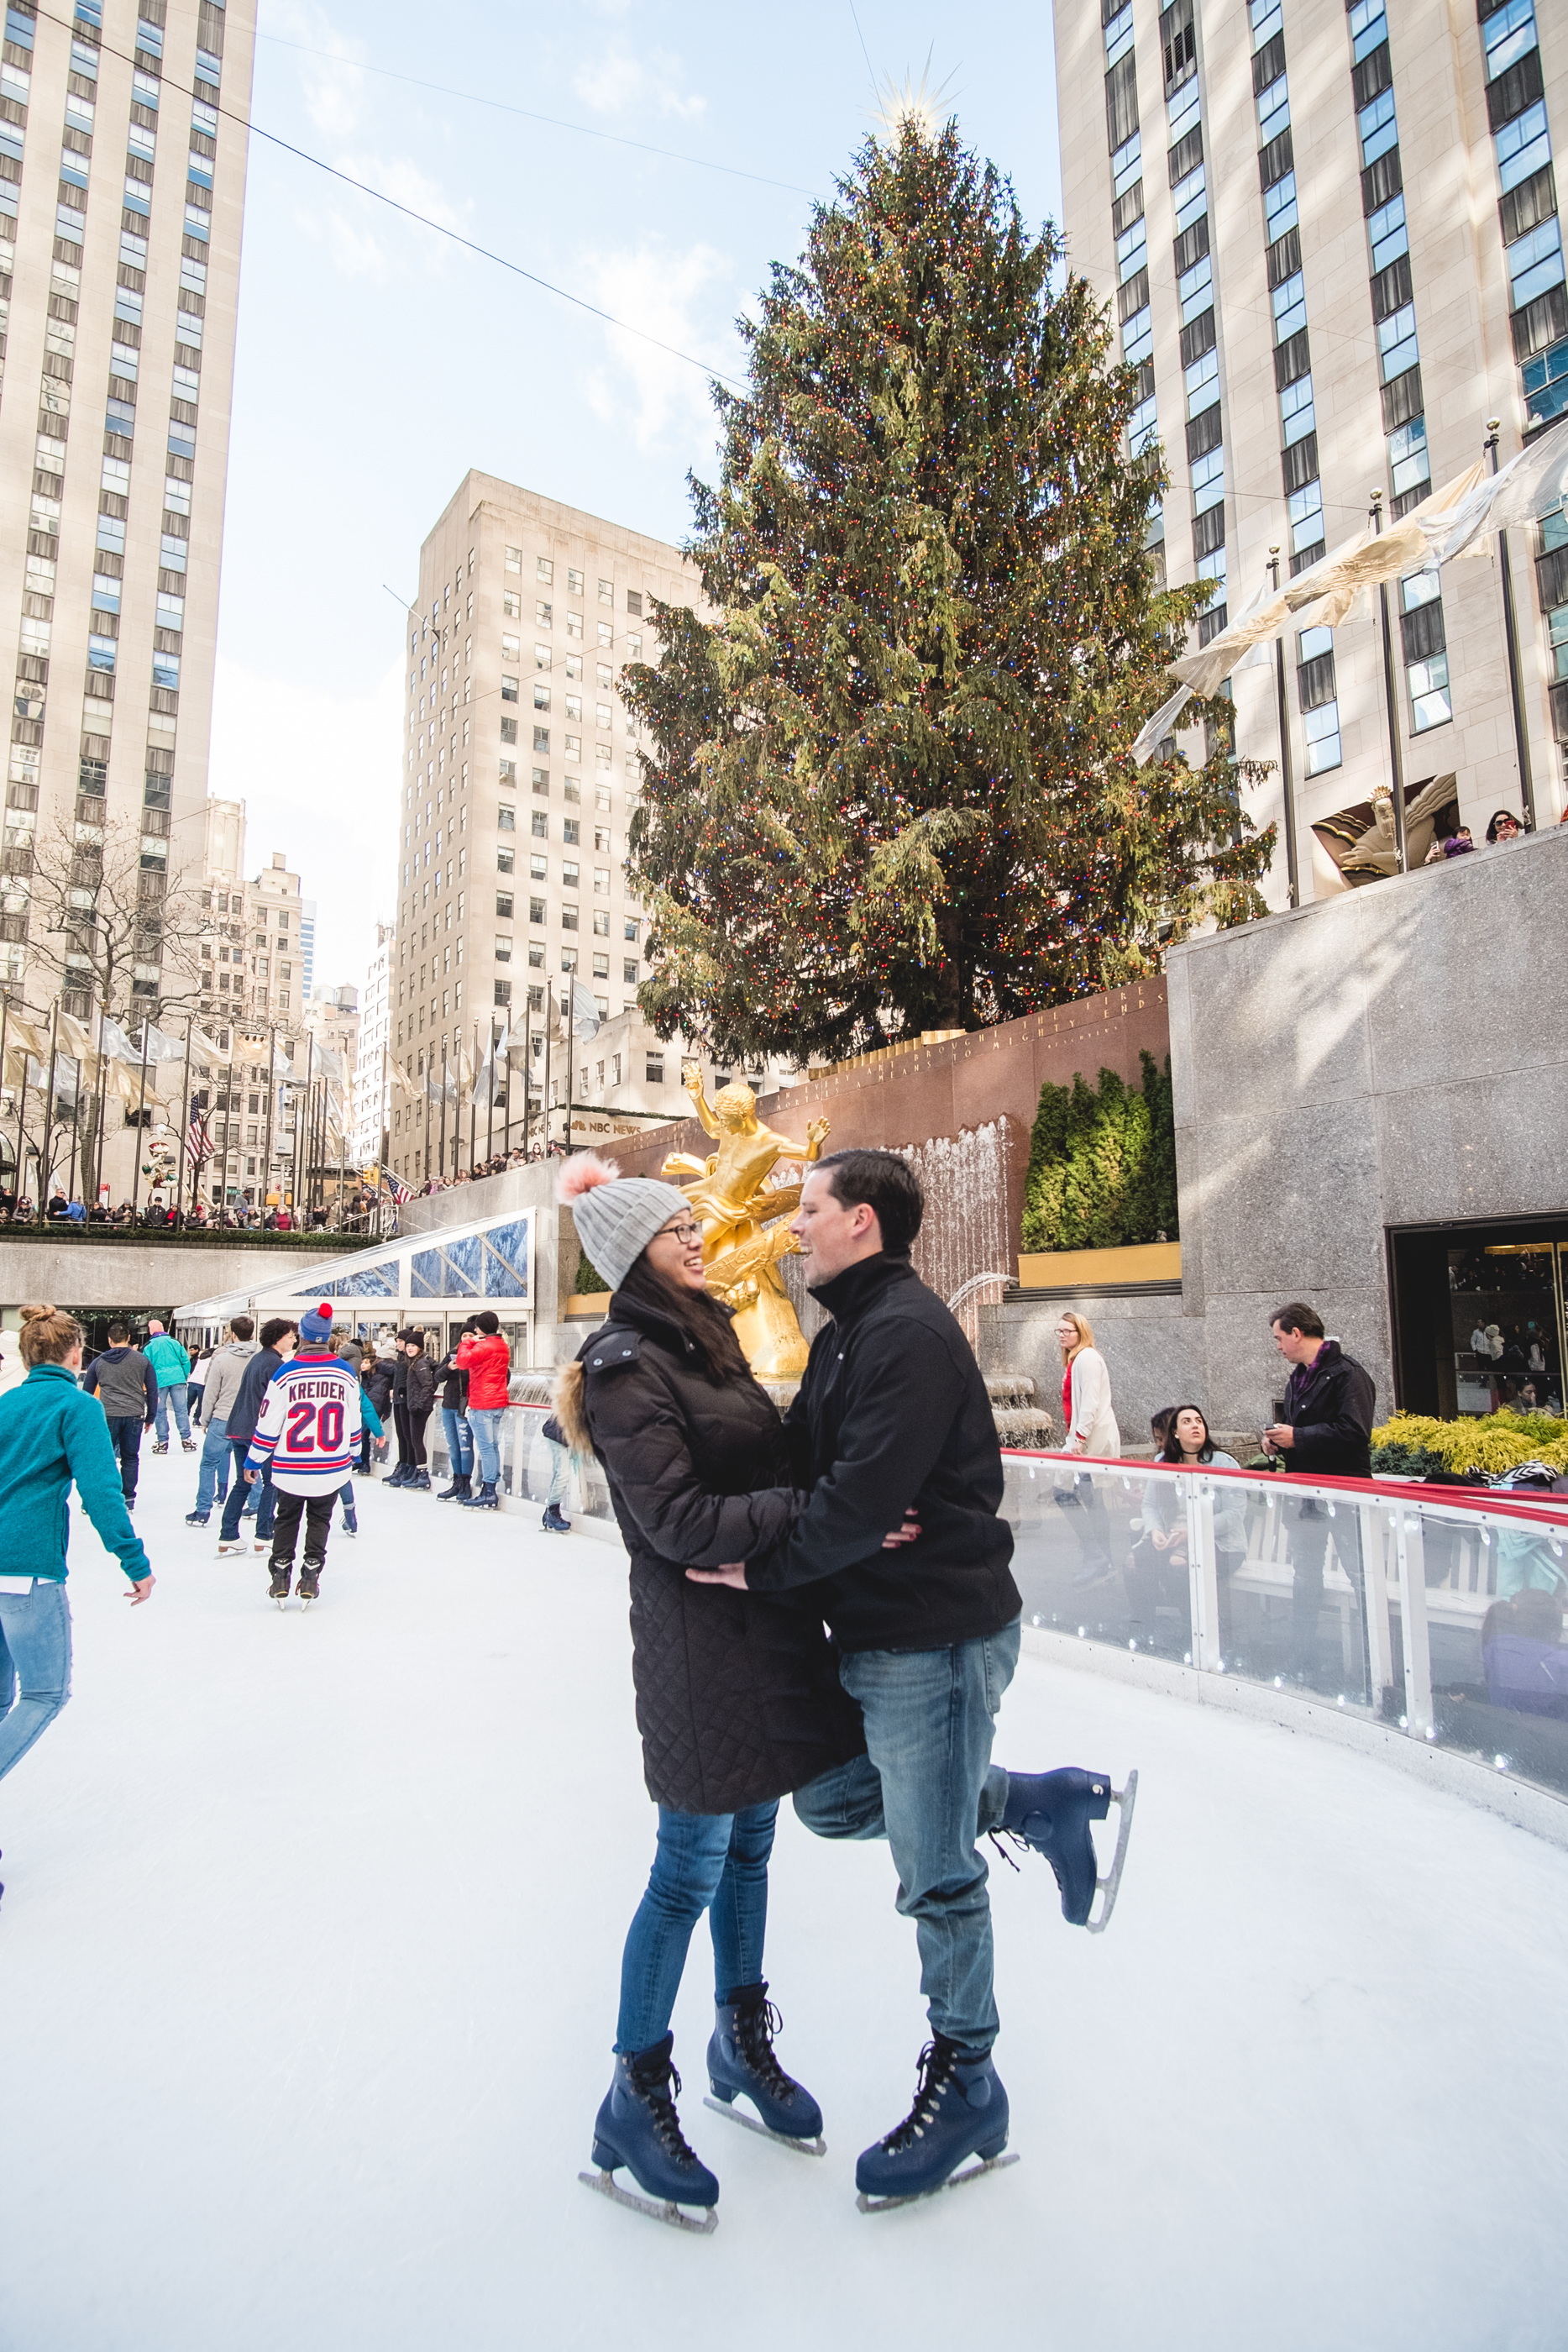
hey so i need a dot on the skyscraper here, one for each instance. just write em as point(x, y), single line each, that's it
point(122, 163)
point(520, 774)
point(1331, 238)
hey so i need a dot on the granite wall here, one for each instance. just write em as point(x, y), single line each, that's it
point(1397, 1056)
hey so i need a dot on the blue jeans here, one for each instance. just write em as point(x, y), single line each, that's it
point(173, 1395)
point(486, 1425)
point(559, 1473)
point(716, 1862)
point(927, 1783)
point(459, 1449)
point(243, 1498)
point(125, 1436)
point(34, 1666)
point(213, 1470)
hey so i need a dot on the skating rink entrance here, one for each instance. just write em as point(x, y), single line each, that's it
point(308, 1954)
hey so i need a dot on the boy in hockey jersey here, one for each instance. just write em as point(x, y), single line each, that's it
point(309, 1429)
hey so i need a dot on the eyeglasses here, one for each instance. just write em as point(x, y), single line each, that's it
point(688, 1236)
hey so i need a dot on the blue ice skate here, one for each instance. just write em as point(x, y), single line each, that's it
point(1050, 1813)
point(960, 2111)
point(741, 2063)
point(637, 2126)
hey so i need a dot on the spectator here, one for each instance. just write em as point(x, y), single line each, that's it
point(376, 1380)
point(486, 1359)
point(453, 1381)
point(173, 1366)
point(224, 1368)
point(1090, 1429)
point(126, 1385)
point(1458, 845)
point(1325, 1426)
point(279, 1337)
point(1504, 826)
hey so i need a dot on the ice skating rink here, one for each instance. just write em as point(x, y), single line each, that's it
point(308, 1968)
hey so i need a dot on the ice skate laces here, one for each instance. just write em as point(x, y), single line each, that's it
point(936, 2062)
point(755, 2027)
point(661, 2090)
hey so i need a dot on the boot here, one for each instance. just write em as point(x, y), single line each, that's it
point(487, 1499)
point(400, 1475)
point(1050, 1813)
point(160, 1449)
point(197, 1518)
point(189, 1444)
point(740, 2060)
point(459, 1490)
point(637, 2125)
point(310, 1579)
point(282, 1577)
point(419, 1482)
point(960, 2110)
point(553, 1520)
point(350, 1520)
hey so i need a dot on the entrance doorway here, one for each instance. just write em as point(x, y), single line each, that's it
point(1479, 1315)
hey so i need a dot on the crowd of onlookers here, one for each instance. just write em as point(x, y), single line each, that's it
point(1503, 828)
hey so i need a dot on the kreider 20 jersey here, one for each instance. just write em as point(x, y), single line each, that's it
point(308, 1427)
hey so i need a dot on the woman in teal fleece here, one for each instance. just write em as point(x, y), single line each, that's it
point(51, 1432)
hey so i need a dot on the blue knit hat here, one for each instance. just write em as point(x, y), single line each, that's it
point(316, 1325)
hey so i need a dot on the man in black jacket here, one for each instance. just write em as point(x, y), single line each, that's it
point(279, 1337)
point(893, 1434)
point(1325, 1427)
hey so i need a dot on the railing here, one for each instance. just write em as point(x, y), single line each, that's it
point(139, 1236)
point(1437, 1611)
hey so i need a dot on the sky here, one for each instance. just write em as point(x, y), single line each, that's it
point(377, 361)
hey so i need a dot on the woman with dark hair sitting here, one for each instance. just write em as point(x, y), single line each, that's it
point(1189, 1446)
point(738, 1696)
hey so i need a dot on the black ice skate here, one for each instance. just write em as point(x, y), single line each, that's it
point(637, 2127)
point(282, 1577)
point(1050, 1812)
point(310, 1582)
point(741, 2063)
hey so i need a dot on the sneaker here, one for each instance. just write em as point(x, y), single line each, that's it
point(197, 1518)
point(553, 1520)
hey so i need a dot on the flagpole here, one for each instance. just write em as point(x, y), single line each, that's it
point(4, 1023)
point(549, 1024)
point(490, 1106)
point(141, 1114)
point(228, 1125)
point(21, 1109)
point(184, 1122)
point(384, 1140)
point(76, 1127)
point(473, 1105)
point(299, 1116)
point(442, 1167)
point(425, 1059)
point(528, 1080)
point(102, 1093)
point(571, 1041)
point(271, 1101)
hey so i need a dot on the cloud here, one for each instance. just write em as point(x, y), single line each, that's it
point(333, 88)
point(320, 772)
point(365, 239)
point(619, 83)
point(662, 293)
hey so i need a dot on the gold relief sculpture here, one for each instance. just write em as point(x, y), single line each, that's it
point(743, 1239)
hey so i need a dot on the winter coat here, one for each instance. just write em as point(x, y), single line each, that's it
point(308, 1427)
point(1330, 1404)
point(253, 1387)
point(1091, 1421)
point(893, 1416)
point(124, 1382)
point(486, 1358)
point(737, 1695)
point(169, 1361)
point(225, 1374)
point(50, 1434)
point(454, 1384)
point(352, 1353)
point(376, 1380)
point(419, 1385)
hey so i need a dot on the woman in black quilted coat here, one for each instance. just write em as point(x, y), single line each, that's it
point(738, 1697)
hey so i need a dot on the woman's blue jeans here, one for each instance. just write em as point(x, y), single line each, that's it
point(716, 1862)
point(485, 1420)
point(459, 1452)
point(34, 1666)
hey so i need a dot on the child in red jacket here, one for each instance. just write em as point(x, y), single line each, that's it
point(485, 1356)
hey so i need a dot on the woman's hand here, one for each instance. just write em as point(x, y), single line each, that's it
point(903, 1535)
point(140, 1590)
point(732, 1572)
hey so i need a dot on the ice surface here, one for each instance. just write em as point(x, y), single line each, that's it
point(308, 1970)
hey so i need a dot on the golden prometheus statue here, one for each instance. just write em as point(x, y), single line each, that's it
point(743, 1239)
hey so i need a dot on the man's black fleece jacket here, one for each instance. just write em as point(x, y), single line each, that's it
point(893, 1416)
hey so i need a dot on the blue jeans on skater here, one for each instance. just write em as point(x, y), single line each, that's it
point(927, 1783)
point(459, 1445)
point(34, 1666)
point(125, 1436)
point(213, 1470)
point(175, 1396)
point(486, 1425)
point(258, 1499)
point(716, 1862)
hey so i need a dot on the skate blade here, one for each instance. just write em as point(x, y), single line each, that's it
point(1108, 1885)
point(670, 2214)
point(955, 2180)
point(818, 2147)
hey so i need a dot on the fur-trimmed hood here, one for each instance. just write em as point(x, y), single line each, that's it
point(569, 1410)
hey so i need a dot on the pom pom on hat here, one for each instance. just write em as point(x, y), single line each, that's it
point(316, 1323)
point(581, 1173)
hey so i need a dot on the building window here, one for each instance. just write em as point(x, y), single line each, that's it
point(653, 1070)
point(629, 966)
point(544, 571)
point(569, 959)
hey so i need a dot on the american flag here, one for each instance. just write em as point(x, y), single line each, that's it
point(397, 1188)
point(198, 1140)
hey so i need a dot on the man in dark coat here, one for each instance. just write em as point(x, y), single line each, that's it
point(893, 1426)
point(278, 1337)
point(1326, 1428)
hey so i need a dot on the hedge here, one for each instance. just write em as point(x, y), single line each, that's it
point(1102, 1165)
point(1412, 1445)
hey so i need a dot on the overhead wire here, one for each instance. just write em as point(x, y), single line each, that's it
point(516, 268)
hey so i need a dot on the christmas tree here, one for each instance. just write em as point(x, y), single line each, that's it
point(890, 787)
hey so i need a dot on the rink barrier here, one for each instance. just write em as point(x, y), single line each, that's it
point(1380, 1612)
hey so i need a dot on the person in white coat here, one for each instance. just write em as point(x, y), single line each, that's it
point(1090, 1430)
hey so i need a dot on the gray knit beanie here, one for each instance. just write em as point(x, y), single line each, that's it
point(616, 1217)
